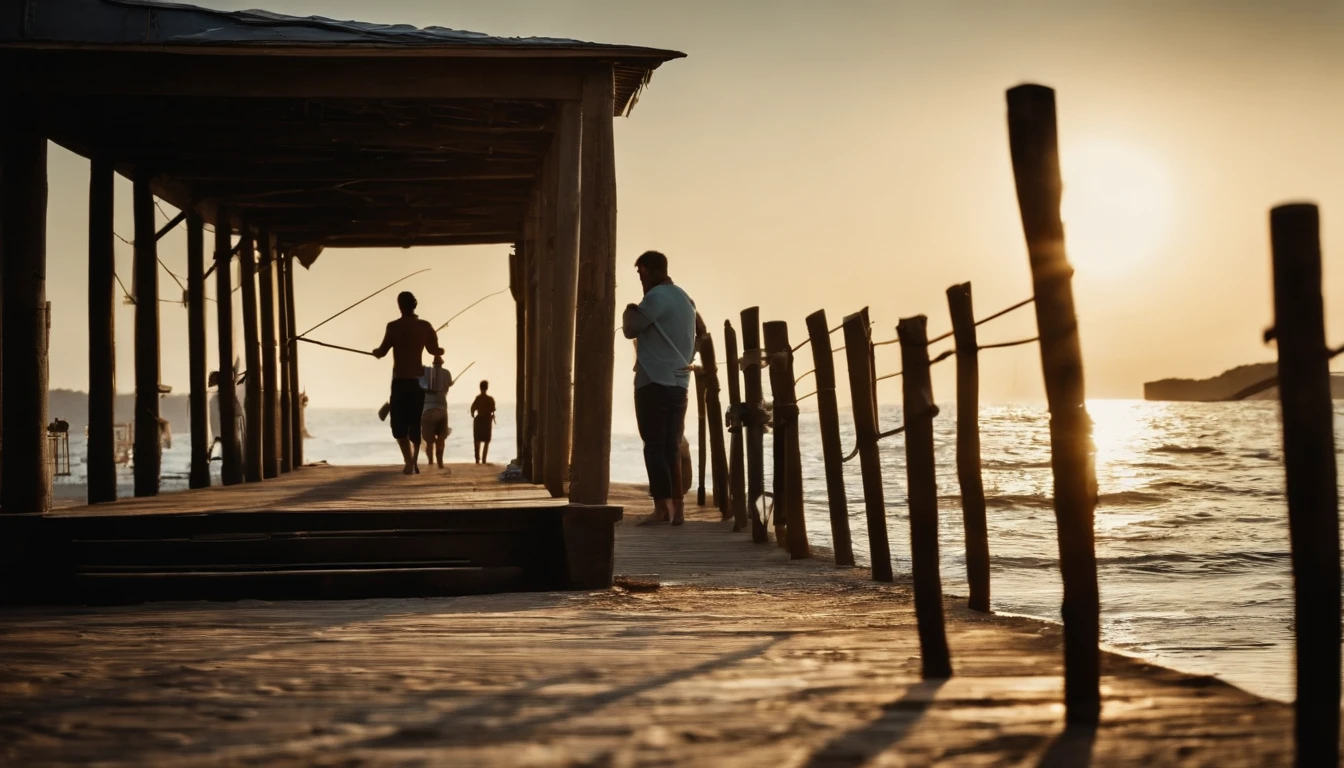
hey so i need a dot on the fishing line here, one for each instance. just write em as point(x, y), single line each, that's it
point(469, 306)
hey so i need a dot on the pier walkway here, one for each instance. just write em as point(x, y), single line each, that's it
point(709, 651)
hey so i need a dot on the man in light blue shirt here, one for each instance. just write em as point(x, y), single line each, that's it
point(664, 326)
point(434, 428)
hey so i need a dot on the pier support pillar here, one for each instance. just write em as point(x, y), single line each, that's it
point(148, 449)
point(102, 444)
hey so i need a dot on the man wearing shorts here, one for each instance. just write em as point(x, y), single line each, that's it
point(406, 337)
point(434, 422)
point(482, 423)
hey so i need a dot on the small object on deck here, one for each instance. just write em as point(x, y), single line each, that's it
point(636, 585)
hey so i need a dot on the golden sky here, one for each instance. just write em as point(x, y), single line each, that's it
point(835, 155)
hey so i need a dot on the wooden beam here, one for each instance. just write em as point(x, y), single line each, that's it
point(595, 318)
point(252, 451)
point(828, 417)
point(196, 374)
point(285, 332)
point(1033, 141)
point(566, 249)
point(231, 469)
point(737, 477)
point(170, 225)
point(969, 478)
point(539, 326)
point(753, 397)
point(81, 73)
point(25, 460)
point(102, 441)
point(148, 449)
point(285, 168)
point(407, 241)
point(295, 393)
point(270, 401)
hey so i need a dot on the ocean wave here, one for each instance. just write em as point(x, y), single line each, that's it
point(1196, 450)
point(1009, 464)
point(1037, 501)
point(1163, 563)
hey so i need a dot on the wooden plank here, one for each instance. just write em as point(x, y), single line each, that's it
point(968, 445)
point(1309, 465)
point(196, 374)
point(148, 448)
point(231, 469)
point(282, 266)
point(252, 451)
point(737, 473)
point(270, 402)
point(828, 417)
point(25, 462)
point(560, 346)
point(858, 354)
point(102, 442)
point(754, 402)
point(1034, 144)
point(595, 318)
point(296, 395)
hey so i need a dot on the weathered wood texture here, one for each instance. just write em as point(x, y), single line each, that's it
point(1034, 145)
point(714, 413)
point(527, 363)
point(282, 266)
point(25, 461)
point(1309, 464)
point(270, 402)
point(231, 468)
point(753, 398)
point(196, 374)
point(295, 391)
point(595, 318)
point(700, 437)
point(541, 381)
point(560, 346)
point(145, 269)
point(789, 507)
point(252, 451)
point(828, 417)
point(519, 295)
point(968, 445)
point(102, 441)
point(918, 411)
point(737, 471)
point(740, 658)
point(858, 354)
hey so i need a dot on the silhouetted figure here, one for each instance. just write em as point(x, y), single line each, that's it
point(482, 423)
point(434, 429)
point(216, 430)
point(407, 337)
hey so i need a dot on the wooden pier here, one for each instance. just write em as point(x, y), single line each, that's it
point(739, 656)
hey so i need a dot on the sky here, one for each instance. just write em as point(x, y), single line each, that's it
point(846, 154)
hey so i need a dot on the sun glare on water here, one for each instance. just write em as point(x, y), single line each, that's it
point(1117, 206)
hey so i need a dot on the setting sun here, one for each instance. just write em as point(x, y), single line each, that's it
point(1116, 207)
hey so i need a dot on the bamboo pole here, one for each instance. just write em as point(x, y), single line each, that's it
point(148, 449)
point(296, 421)
point(25, 461)
point(828, 414)
point(595, 320)
point(286, 341)
point(918, 409)
point(270, 403)
point(231, 470)
point(1309, 464)
point(102, 443)
point(196, 353)
point(252, 455)
point(737, 477)
point(968, 445)
point(753, 400)
point(714, 412)
point(565, 226)
point(858, 354)
point(1033, 142)
point(789, 506)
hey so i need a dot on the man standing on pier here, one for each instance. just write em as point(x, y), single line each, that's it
point(407, 337)
point(664, 324)
point(434, 422)
point(482, 422)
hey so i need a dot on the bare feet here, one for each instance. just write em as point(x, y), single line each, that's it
point(407, 470)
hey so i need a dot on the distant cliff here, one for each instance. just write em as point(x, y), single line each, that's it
point(1225, 384)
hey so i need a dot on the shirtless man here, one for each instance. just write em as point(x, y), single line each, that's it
point(407, 337)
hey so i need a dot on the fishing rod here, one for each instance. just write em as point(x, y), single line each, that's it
point(469, 306)
point(335, 346)
point(356, 304)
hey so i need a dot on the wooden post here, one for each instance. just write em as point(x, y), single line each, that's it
point(148, 450)
point(527, 289)
point(102, 444)
point(737, 476)
point(919, 410)
point(714, 412)
point(231, 470)
point(196, 374)
point(779, 440)
point(595, 320)
point(545, 283)
point(296, 421)
point(536, 374)
point(754, 415)
point(252, 456)
point(283, 330)
point(519, 293)
point(25, 462)
point(270, 402)
point(700, 436)
point(1309, 464)
point(1033, 142)
point(789, 506)
point(828, 414)
point(858, 354)
point(968, 445)
point(566, 254)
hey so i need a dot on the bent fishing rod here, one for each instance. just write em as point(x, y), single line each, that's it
point(303, 336)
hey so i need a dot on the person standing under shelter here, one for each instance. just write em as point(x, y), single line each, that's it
point(664, 326)
point(482, 423)
point(407, 337)
point(434, 428)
